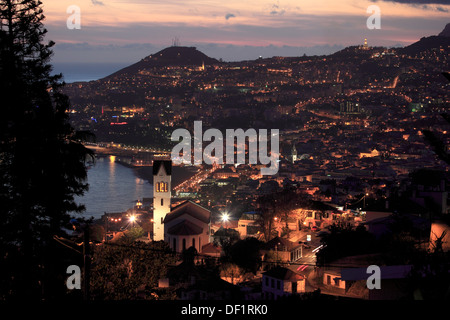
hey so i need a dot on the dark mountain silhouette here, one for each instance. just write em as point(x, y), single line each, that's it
point(190, 56)
point(441, 41)
point(171, 56)
point(446, 31)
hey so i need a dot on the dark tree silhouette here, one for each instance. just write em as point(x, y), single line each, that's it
point(278, 205)
point(245, 254)
point(267, 206)
point(42, 160)
point(123, 268)
point(342, 241)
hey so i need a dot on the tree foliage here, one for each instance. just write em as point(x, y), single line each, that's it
point(344, 241)
point(278, 205)
point(245, 254)
point(42, 162)
point(129, 270)
point(231, 271)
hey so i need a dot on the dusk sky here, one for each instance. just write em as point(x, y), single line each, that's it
point(124, 31)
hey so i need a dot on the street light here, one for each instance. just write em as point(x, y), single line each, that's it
point(225, 217)
point(132, 219)
point(364, 202)
point(150, 233)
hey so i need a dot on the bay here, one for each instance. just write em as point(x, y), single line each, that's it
point(112, 188)
point(83, 72)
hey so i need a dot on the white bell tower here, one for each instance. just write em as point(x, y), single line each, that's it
point(162, 173)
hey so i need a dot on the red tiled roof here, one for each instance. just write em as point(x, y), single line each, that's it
point(211, 249)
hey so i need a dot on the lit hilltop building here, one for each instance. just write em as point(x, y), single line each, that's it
point(184, 226)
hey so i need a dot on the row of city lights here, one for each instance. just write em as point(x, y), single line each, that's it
point(130, 219)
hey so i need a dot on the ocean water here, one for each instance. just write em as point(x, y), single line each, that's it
point(112, 188)
point(74, 72)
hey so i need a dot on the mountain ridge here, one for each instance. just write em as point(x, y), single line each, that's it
point(446, 31)
point(170, 56)
point(190, 56)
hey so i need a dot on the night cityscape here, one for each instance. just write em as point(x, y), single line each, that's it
point(151, 183)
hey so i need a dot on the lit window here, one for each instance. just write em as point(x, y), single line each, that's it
point(162, 187)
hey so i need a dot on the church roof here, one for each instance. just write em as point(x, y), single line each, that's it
point(185, 228)
point(190, 208)
point(167, 166)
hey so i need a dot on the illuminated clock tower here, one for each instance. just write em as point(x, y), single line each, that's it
point(162, 173)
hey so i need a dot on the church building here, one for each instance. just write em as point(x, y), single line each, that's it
point(187, 225)
point(184, 226)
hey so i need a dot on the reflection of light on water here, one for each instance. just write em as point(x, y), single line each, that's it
point(112, 188)
point(112, 172)
point(139, 181)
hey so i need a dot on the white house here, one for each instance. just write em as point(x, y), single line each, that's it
point(248, 224)
point(280, 281)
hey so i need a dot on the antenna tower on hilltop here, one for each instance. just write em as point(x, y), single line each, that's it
point(176, 42)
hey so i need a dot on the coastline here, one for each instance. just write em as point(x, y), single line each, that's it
point(179, 174)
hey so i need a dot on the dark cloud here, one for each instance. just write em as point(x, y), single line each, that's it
point(431, 5)
point(276, 10)
point(428, 7)
point(416, 1)
point(97, 3)
point(229, 15)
